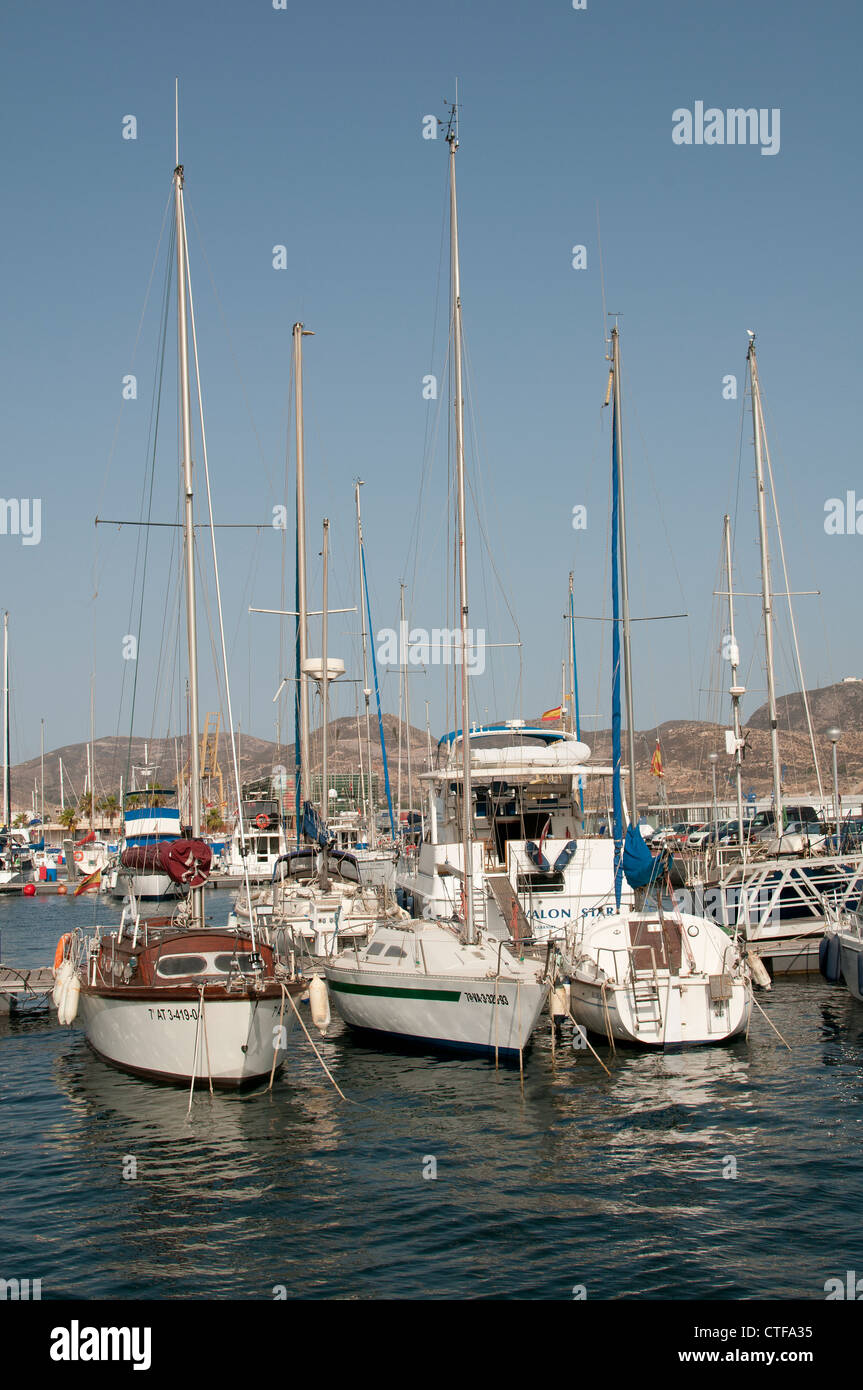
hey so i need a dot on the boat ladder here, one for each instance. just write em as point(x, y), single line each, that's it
point(646, 999)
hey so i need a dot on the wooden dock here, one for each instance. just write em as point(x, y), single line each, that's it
point(19, 984)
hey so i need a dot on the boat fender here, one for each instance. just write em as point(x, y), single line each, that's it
point(557, 1003)
point(70, 1001)
point(63, 975)
point(758, 970)
point(860, 975)
point(319, 1003)
point(829, 958)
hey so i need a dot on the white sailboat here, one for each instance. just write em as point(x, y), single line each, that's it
point(657, 978)
point(440, 983)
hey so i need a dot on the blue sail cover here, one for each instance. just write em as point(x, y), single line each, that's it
point(639, 865)
point(312, 826)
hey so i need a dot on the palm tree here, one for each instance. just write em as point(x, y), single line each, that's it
point(20, 820)
point(214, 820)
point(68, 818)
point(110, 806)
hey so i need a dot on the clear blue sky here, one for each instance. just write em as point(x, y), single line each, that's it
point(303, 127)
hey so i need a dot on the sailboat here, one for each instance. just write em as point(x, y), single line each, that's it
point(438, 982)
point(176, 1000)
point(778, 899)
point(660, 977)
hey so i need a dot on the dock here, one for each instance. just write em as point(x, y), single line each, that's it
point(19, 984)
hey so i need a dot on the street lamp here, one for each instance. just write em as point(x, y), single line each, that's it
point(834, 736)
point(713, 760)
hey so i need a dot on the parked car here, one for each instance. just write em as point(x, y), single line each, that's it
point(730, 835)
point(706, 833)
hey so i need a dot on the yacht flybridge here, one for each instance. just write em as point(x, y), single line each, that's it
point(541, 859)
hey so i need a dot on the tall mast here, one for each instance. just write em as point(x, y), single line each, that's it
point(467, 788)
point(42, 778)
point(736, 688)
point(407, 716)
point(624, 581)
point(371, 833)
point(766, 592)
point(197, 897)
point(302, 603)
point(575, 719)
point(325, 701)
point(7, 771)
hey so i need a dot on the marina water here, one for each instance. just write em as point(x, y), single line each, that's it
point(721, 1173)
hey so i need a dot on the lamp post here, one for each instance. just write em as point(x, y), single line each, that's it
point(713, 760)
point(834, 735)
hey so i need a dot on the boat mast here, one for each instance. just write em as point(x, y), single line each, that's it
point(325, 701)
point(766, 592)
point(371, 832)
point(7, 787)
point(197, 896)
point(299, 333)
point(575, 719)
point(407, 714)
point(467, 788)
point(624, 580)
point(736, 688)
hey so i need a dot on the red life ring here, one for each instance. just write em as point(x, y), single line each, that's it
point(79, 855)
point(262, 821)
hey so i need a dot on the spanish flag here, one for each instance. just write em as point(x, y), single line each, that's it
point(556, 713)
point(93, 880)
point(656, 762)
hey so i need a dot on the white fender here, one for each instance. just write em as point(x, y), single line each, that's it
point(558, 1003)
point(319, 1003)
point(61, 979)
point(70, 1001)
point(758, 970)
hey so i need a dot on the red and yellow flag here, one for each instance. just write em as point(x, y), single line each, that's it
point(656, 762)
point(556, 713)
point(91, 881)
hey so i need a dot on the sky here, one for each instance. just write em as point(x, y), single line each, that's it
point(302, 127)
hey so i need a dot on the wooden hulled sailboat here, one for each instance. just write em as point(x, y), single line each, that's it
point(439, 982)
point(177, 1000)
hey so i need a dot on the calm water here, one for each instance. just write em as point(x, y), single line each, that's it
point(616, 1184)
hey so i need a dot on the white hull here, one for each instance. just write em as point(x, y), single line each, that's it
point(145, 887)
point(157, 1038)
point(458, 1007)
point(672, 982)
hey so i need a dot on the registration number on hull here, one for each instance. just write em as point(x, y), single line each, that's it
point(487, 999)
point(173, 1015)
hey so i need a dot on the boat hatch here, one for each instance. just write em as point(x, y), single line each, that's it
point(655, 944)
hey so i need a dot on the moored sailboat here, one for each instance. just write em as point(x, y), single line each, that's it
point(436, 982)
point(654, 978)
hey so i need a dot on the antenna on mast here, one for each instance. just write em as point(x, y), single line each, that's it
point(452, 123)
point(176, 122)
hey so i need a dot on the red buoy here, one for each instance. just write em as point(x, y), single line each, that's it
point(29, 890)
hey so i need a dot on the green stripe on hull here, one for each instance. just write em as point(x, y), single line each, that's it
point(448, 996)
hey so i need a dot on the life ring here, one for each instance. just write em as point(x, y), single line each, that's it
point(60, 952)
point(262, 821)
point(79, 855)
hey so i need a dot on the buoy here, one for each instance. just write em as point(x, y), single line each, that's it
point(319, 1003)
point(29, 890)
point(61, 889)
point(758, 970)
point(262, 821)
point(79, 856)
